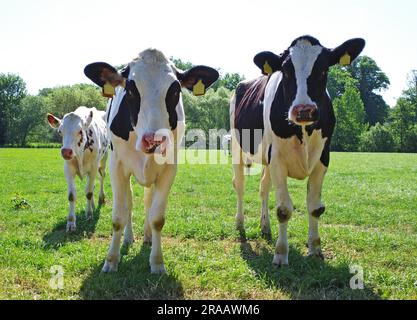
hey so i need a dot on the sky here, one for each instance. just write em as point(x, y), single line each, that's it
point(49, 42)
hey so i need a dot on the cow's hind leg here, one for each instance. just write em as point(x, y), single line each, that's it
point(264, 193)
point(89, 191)
point(157, 217)
point(284, 211)
point(102, 173)
point(315, 209)
point(128, 235)
point(120, 183)
point(239, 185)
point(148, 195)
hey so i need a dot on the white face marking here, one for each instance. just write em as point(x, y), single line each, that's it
point(303, 56)
point(71, 129)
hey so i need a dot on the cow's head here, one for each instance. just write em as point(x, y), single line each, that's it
point(304, 66)
point(152, 94)
point(73, 129)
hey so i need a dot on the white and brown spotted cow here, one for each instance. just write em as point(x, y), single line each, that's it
point(147, 123)
point(85, 144)
point(285, 120)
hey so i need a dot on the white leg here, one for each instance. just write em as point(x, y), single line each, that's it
point(284, 211)
point(264, 193)
point(157, 217)
point(239, 185)
point(128, 236)
point(315, 209)
point(120, 183)
point(102, 174)
point(148, 195)
point(72, 197)
point(89, 191)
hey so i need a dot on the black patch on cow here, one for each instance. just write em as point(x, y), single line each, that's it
point(127, 115)
point(319, 212)
point(71, 197)
point(89, 196)
point(111, 146)
point(249, 111)
point(171, 100)
point(109, 112)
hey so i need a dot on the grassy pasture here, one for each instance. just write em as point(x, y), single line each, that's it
point(371, 221)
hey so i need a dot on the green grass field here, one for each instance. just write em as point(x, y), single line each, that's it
point(371, 221)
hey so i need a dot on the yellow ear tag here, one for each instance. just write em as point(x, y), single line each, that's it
point(345, 60)
point(267, 68)
point(108, 90)
point(199, 88)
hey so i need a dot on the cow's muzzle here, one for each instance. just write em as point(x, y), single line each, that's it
point(67, 154)
point(304, 114)
point(151, 141)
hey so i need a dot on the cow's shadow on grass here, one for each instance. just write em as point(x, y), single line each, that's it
point(133, 281)
point(305, 277)
point(85, 229)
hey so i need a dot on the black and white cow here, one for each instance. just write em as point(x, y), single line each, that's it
point(147, 123)
point(84, 148)
point(285, 120)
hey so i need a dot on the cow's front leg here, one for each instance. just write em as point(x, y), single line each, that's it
point(72, 197)
point(157, 217)
point(89, 192)
point(264, 193)
point(120, 183)
point(284, 209)
point(315, 209)
point(148, 195)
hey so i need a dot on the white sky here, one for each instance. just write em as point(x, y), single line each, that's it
point(48, 42)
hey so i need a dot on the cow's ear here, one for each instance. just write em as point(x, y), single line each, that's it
point(53, 121)
point(102, 73)
point(347, 52)
point(269, 62)
point(89, 119)
point(198, 79)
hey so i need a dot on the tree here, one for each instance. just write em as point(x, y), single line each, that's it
point(12, 91)
point(62, 100)
point(378, 138)
point(350, 114)
point(372, 81)
point(338, 79)
point(404, 125)
point(29, 114)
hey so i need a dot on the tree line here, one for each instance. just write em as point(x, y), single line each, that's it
point(364, 121)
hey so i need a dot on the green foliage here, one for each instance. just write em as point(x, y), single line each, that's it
point(350, 115)
point(28, 116)
point(62, 100)
point(20, 203)
point(12, 91)
point(338, 79)
point(372, 81)
point(379, 138)
point(403, 122)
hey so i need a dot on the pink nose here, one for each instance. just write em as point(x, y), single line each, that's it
point(305, 113)
point(67, 154)
point(150, 142)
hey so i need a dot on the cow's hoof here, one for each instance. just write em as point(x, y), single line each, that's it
point(147, 240)
point(316, 254)
point(280, 260)
point(110, 266)
point(239, 222)
point(89, 215)
point(266, 233)
point(128, 241)
point(158, 269)
point(71, 227)
point(101, 201)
